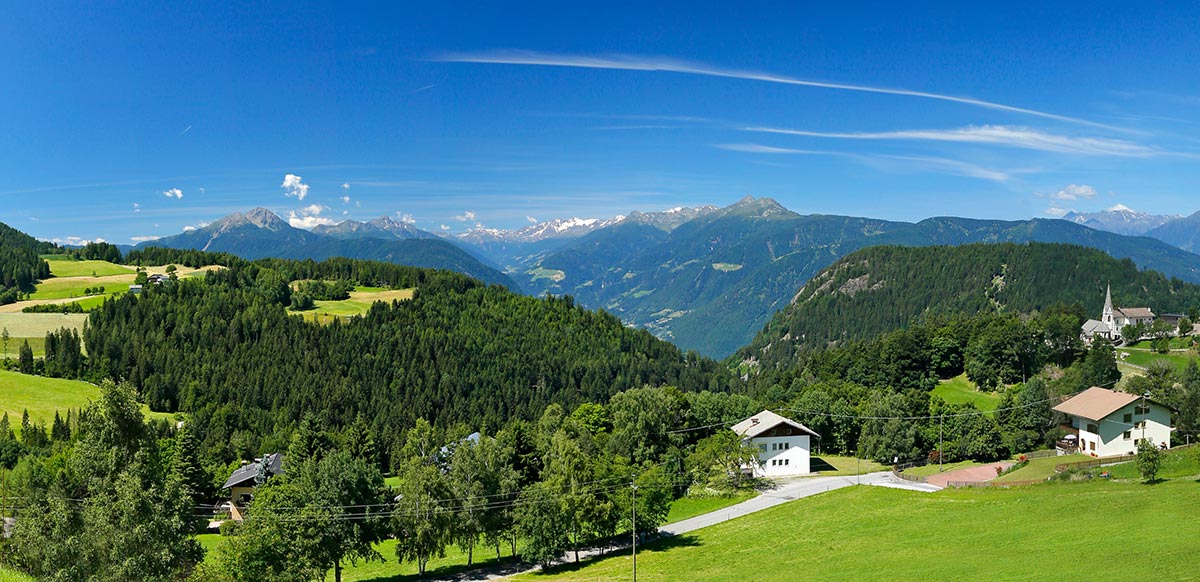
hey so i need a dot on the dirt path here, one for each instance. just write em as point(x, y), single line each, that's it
point(972, 474)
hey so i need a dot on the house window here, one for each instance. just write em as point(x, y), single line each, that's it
point(1092, 445)
point(762, 447)
point(1127, 435)
point(1128, 418)
point(1092, 428)
point(1140, 424)
point(1142, 410)
point(787, 446)
point(786, 461)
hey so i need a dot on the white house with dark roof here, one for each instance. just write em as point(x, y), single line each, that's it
point(244, 479)
point(1105, 422)
point(784, 445)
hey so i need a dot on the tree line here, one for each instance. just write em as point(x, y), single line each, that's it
point(21, 266)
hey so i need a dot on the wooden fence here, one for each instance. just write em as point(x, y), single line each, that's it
point(980, 484)
point(1062, 467)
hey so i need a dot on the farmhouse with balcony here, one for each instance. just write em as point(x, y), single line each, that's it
point(783, 444)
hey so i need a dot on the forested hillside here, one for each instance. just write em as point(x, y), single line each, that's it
point(884, 288)
point(20, 266)
point(226, 350)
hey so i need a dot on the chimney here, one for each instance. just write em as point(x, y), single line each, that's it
point(753, 422)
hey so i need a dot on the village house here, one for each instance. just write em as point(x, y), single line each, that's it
point(1104, 423)
point(244, 479)
point(783, 444)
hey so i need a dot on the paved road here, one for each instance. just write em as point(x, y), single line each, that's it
point(789, 491)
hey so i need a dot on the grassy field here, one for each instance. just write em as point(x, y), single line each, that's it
point(37, 344)
point(877, 533)
point(686, 507)
point(1038, 468)
point(933, 469)
point(960, 390)
point(7, 575)
point(63, 266)
point(43, 396)
point(1176, 343)
point(1145, 358)
point(359, 303)
point(1175, 464)
point(838, 465)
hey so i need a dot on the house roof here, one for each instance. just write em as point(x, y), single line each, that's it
point(249, 471)
point(1096, 403)
point(765, 421)
point(1093, 326)
point(1134, 312)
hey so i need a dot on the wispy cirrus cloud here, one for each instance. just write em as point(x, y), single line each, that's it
point(931, 163)
point(1003, 135)
point(175, 193)
point(667, 64)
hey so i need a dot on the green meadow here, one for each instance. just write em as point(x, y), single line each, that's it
point(42, 397)
point(359, 303)
point(960, 390)
point(877, 533)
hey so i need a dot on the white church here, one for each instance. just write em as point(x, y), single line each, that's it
point(1112, 320)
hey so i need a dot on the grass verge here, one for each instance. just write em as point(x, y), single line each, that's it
point(877, 533)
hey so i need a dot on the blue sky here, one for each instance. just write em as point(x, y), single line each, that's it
point(132, 120)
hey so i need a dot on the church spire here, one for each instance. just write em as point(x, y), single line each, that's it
point(1107, 317)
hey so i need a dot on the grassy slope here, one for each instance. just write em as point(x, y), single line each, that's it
point(1144, 358)
point(7, 575)
point(836, 465)
point(1038, 468)
point(359, 302)
point(64, 266)
point(1178, 463)
point(686, 507)
point(960, 390)
point(43, 396)
point(876, 533)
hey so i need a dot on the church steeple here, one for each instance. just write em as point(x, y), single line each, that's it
point(1107, 317)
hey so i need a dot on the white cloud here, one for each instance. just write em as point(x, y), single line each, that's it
point(405, 217)
point(137, 207)
point(293, 186)
point(665, 64)
point(468, 216)
point(189, 228)
point(955, 167)
point(175, 193)
point(531, 219)
point(444, 227)
point(1055, 211)
point(344, 199)
point(1074, 192)
point(309, 217)
point(201, 191)
point(345, 185)
point(75, 241)
point(1003, 135)
point(140, 239)
point(754, 148)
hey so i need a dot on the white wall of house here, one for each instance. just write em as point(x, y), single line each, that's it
point(1119, 432)
point(782, 456)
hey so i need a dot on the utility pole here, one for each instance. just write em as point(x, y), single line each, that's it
point(634, 485)
point(940, 442)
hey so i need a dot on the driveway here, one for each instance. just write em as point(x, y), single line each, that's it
point(971, 474)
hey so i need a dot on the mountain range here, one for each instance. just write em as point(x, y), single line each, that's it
point(706, 278)
point(261, 233)
point(1120, 219)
